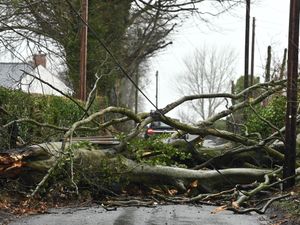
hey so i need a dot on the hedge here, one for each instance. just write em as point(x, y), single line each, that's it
point(59, 111)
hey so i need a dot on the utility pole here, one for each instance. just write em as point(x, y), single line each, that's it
point(283, 64)
point(156, 87)
point(247, 28)
point(252, 52)
point(289, 166)
point(268, 65)
point(83, 50)
point(136, 92)
point(232, 92)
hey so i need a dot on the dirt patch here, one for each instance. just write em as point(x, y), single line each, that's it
point(278, 216)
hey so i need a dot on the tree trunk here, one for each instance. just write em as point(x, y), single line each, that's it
point(39, 159)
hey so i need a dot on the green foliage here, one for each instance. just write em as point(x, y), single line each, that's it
point(154, 151)
point(58, 111)
point(274, 112)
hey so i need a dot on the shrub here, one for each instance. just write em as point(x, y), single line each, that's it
point(54, 110)
point(274, 112)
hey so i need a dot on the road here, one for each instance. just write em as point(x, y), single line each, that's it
point(160, 215)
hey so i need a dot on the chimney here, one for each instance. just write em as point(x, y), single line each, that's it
point(39, 59)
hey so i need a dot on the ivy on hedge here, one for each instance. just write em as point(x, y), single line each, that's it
point(274, 112)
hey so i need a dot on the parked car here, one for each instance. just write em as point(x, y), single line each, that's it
point(158, 127)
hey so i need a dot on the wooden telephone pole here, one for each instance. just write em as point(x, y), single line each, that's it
point(289, 166)
point(252, 52)
point(136, 92)
point(83, 50)
point(156, 89)
point(247, 28)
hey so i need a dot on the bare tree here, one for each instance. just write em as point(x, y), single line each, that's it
point(207, 71)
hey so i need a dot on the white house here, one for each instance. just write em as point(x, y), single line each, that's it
point(24, 76)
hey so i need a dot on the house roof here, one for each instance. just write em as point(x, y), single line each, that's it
point(30, 84)
point(17, 76)
point(11, 73)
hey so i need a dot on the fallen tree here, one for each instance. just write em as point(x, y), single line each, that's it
point(88, 164)
point(42, 161)
point(41, 158)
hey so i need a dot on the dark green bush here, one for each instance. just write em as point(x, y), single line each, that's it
point(274, 112)
point(54, 110)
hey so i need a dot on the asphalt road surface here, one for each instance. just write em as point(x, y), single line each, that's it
point(160, 215)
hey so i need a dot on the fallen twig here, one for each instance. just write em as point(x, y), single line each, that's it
point(260, 210)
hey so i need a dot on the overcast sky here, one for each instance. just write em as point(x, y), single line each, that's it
point(227, 30)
